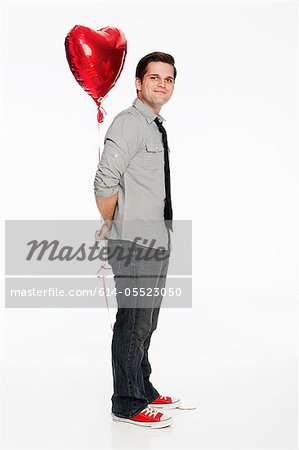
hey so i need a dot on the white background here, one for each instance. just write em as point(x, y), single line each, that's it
point(232, 132)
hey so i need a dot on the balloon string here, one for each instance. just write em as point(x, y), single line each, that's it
point(102, 109)
point(188, 409)
point(104, 266)
point(99, 141)
point(104, 287)
point(100, 116)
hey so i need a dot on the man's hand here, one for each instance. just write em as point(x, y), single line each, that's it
point(106, 206)
point(105, 227)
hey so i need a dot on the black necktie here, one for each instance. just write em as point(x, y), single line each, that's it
point(167, 205)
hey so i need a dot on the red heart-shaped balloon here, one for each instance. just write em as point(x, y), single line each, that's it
point(96, 59)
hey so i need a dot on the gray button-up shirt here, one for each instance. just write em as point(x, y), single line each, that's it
point(132, 164)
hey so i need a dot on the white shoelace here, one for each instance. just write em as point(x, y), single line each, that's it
point(150, 412)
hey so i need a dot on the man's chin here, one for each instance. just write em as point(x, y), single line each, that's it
point(161, 102)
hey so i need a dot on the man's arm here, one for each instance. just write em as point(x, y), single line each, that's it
point(106, 206)
point(121, 144)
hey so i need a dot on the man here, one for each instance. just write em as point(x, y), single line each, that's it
point(132, 189)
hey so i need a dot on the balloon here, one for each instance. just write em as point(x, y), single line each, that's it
point(96, 59)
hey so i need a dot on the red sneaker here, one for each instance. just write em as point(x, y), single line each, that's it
point(164, 402)
point(148, 417)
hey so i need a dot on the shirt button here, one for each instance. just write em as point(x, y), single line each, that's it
point(116, 155)
point(156, 148)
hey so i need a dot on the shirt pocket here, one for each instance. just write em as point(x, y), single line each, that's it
point(154, 155)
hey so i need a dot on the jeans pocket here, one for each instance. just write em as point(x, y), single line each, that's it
point(115, 249)
point(121, 257)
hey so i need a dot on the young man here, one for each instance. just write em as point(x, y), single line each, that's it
point(132, 189)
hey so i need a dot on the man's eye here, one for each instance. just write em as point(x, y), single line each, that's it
point(170, 80)
point(153, 78)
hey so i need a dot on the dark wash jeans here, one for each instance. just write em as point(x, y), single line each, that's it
point(136, 320)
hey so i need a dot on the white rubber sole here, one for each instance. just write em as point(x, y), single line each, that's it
point(166, 406)
point(162, 424)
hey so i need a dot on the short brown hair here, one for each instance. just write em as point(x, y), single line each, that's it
point(153, 57)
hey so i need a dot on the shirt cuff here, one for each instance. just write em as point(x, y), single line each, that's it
point(105, 192)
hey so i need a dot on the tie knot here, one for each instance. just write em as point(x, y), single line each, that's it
point(160, 125)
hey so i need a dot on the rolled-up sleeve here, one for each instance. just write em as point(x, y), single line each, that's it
point(121, 143)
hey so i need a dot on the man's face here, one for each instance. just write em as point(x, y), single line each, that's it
point(157, 85)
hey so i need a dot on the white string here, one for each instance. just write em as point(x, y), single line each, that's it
point(105, 245)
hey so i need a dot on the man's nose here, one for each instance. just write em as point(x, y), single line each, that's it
point(161, 82)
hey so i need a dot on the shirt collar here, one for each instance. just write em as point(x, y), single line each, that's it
point(146, 111)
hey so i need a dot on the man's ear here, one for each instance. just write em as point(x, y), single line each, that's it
point(138, 84)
